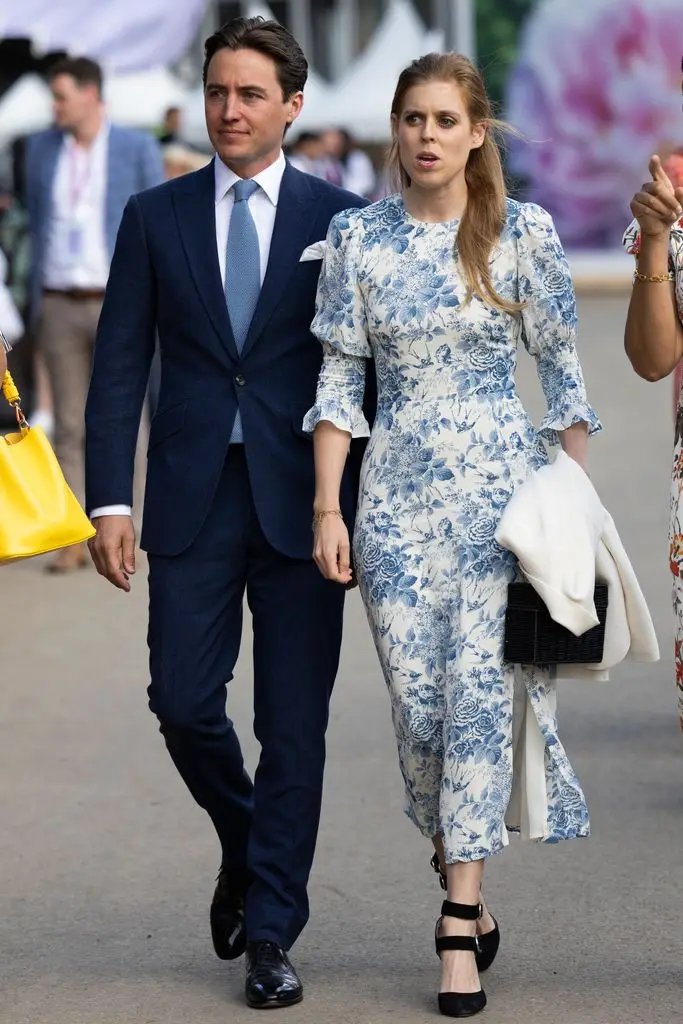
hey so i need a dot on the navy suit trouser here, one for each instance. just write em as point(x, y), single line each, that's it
point(195, 627)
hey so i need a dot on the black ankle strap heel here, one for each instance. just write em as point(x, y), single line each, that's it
point(489, 942)
point(460, 1004)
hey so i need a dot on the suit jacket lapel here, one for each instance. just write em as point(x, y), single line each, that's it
point(195, 209)
point(50, 159)
point(53, 149)
point(290, 236)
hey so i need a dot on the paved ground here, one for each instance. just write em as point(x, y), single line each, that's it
point(106, 867)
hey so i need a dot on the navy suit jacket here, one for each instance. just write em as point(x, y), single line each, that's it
point(133, 163)
point(165, 276)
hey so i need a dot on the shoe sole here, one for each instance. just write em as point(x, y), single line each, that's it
point(275, 1004)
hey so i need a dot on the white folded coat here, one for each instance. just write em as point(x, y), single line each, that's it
point(565, 539)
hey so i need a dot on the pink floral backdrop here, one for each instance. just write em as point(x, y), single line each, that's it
point(595, 90)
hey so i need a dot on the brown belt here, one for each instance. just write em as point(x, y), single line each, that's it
point(77, 294)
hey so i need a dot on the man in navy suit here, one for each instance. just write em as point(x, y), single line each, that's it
point(213, 261)
point(79, 176)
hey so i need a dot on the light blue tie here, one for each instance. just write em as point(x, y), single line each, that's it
point(242, 274)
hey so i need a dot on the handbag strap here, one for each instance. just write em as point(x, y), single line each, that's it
point(12, 397)
point(9, 389)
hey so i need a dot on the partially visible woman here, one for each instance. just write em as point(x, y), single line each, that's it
point(441, 283)
point(654, 339)
point(673, 166)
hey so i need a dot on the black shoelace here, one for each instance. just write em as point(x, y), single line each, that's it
point(269, 954)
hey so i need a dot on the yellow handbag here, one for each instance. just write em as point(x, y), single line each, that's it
point(38, 511)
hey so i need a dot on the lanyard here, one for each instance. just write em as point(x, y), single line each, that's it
point(80, 169)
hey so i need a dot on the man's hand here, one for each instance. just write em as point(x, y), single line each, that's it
point(112, 549)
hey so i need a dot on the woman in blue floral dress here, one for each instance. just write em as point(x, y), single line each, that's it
point(439, 284)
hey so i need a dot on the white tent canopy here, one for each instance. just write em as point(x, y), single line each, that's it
point(123, 35)
point(361, 100)
point(138, 100)
point(26, 107)
point(318, 92)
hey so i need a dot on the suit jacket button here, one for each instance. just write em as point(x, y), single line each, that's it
point(240, 380)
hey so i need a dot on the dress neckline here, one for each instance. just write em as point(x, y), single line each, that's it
point(426, 223)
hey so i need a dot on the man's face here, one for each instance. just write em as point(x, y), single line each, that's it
point(72, 104)
point(246, 113)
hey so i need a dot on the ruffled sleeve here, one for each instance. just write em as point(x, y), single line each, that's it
point(341, 326)
point(549, 322)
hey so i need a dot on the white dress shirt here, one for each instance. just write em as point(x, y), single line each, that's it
point(263, 207)
point(76, 253)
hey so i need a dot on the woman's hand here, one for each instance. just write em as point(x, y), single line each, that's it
point(658, 205)
point(332, 550)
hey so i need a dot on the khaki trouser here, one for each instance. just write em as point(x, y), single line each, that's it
point(66, 338)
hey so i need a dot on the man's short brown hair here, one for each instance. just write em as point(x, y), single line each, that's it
point(83, 70)
point(269, 38)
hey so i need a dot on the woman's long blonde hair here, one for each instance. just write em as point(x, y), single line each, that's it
point(481, 225)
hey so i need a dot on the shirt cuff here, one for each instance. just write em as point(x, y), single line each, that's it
point(111, 510)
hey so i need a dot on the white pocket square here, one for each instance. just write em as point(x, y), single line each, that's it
point(313, 252)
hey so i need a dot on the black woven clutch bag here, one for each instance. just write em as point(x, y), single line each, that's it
point(533, 638)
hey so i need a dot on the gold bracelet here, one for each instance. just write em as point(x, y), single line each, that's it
point(319, 516)
point(654, 278)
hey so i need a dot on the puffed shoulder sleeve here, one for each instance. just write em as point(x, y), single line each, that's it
point(549, 322)
point(340, 325)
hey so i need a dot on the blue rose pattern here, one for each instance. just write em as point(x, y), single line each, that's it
point(450, 443)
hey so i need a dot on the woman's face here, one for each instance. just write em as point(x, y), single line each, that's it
point(435, 135)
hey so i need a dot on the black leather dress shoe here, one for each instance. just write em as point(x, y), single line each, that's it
point(271, 979)
point(227, 915)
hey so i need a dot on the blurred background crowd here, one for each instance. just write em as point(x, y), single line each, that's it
point(593, 87)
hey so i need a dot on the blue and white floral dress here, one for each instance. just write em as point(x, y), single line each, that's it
point(450, 442)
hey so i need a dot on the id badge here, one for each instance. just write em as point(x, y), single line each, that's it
point(74, 240)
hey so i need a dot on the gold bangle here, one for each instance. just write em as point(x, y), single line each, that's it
point(653, 278)
point(319, 516)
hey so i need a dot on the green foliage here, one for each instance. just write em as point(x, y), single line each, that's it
point(498, 23)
